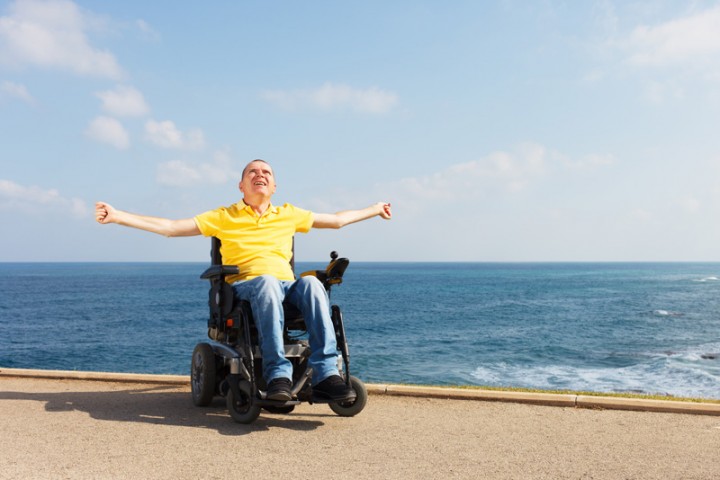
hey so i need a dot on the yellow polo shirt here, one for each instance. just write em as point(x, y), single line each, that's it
point(258, 245)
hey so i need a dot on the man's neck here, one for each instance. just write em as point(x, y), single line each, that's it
point(258, 207)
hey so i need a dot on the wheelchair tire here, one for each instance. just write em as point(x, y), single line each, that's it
point(350, 409)
point(242, 410)
point(202, 375)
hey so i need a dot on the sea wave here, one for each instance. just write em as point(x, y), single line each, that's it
point(699, 353)
point(687, 374)
point(666, 313)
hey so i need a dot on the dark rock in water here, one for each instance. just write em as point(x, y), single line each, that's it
point(710, 356)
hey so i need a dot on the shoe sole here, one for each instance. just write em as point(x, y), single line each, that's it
point(280, 396)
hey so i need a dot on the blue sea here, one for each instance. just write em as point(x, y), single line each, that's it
point(605, 327)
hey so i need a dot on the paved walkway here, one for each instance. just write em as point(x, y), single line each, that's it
point(75, 428)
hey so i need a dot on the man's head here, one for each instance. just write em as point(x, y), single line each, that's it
point(258, 181)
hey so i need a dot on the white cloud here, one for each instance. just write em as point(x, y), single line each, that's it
point(166, 135)
point(641, 215)
point(123, 101)
point(180, 173)
point(675, 60)
point(16, 90)
point(590, 161)
point(690, 204)
point(146, 30)
point(500, 174)
point(334, 97)
point(694, 39)
point(108, 130)
point(52, 34)
point(657, 92)
point(35, 200)
point(508, 171)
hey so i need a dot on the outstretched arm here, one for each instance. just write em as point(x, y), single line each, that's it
point(340, 219)
point(105, 213)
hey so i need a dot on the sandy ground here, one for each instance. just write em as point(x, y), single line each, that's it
point(76, 429)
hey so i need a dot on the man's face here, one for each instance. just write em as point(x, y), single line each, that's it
point(258, 180)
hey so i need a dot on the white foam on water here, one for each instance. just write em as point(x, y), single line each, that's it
point(699, 353)
point(707, 279)
point(682, 374)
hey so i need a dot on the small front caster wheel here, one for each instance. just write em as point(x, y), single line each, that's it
point(242, 409)
point(352, 408)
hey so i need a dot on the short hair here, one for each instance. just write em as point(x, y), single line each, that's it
point(253, 161)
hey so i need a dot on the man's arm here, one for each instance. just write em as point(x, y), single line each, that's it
point(340, 219)
point(105, 213)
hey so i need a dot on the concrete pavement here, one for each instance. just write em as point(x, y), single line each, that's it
point(54, 426)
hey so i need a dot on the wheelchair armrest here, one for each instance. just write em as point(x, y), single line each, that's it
point(219, 271)
point(332, 275)
point(319, 274)
point(336, 269)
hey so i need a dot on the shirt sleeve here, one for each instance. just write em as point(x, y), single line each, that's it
point(303, 218)
point(209, 222)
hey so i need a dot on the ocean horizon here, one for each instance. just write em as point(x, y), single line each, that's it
point(639, 327)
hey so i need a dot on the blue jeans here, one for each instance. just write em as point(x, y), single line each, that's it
point(266, 294)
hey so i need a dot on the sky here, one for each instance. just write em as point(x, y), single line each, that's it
point(499, 130)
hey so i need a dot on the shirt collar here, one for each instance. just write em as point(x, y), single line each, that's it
point(244, 206)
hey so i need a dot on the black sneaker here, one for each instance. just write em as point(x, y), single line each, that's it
point(279, 389)
point(334, 389)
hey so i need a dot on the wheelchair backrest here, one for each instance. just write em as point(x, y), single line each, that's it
point(215, 256)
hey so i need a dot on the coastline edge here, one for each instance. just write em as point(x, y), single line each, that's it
point(535, 398)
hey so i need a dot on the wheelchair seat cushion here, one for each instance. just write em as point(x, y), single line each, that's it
point(293, 317)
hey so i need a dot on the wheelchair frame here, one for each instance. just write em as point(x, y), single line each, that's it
point(227, 366)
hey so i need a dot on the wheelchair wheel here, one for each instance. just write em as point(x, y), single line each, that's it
point(241, 409)
point(352, 408)
point(202, 374)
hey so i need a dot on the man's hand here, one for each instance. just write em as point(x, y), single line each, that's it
point(385, 210)
point(105, 213)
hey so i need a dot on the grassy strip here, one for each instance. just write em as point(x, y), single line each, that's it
point(574, 392)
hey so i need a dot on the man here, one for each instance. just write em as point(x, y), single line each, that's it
point(257, 237)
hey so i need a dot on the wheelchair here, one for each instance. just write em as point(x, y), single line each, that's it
point(230, 365)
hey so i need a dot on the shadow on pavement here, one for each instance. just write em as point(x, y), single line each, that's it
point(160, 405)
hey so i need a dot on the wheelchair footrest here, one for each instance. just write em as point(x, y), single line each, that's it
point(275, 403)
